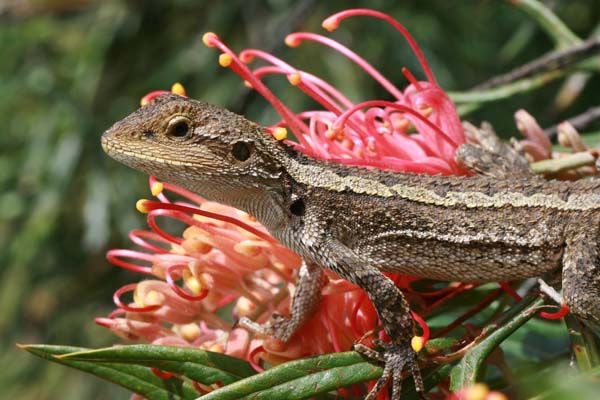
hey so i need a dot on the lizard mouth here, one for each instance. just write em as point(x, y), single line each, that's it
point(136, 158)
point(105, 144)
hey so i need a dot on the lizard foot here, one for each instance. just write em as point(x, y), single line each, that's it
point(278, 326)
point(396, 358)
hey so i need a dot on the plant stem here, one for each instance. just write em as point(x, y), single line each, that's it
point(502, 92)
point(562, 36)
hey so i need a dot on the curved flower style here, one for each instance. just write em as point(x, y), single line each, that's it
point(342, 132)
point(224, 264)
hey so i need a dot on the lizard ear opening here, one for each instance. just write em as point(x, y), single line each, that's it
point(241, 151)
point(298, 207)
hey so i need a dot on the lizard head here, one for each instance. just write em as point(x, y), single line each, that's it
point(201, 147)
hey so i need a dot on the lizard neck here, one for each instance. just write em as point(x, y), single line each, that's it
point(266, 205)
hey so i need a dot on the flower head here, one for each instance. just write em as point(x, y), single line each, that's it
point(418, 130)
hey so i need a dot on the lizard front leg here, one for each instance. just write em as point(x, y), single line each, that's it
point(391, 306)
point(581, 277)
point(305, 301)
point(393, 311)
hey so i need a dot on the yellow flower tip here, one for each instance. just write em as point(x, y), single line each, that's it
point(156, 188)
point(331, 24)
point(193, 284)
point(150, 298)
point(207, 39)
point(225, 60)
point(178, 88)
point(294, 78)
point(140, 205)
point(247, 248)
point(292, 41)
point(248, 85)
point(154, 298)
point(189, 332)
point(244, 307)
point(217, 348)
point(280, 133)
point(137, 299)
point(195, 245)
point(478, 391)
point(417, 343)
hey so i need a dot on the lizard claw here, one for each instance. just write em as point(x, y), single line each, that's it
point(278, 327)
point(396, 358)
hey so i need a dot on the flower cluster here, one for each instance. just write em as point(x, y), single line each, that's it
point(224, 265)
point(347, 133)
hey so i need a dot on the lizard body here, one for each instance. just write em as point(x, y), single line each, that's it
point(503, 224)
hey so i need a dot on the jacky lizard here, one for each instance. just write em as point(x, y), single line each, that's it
point(502, 224)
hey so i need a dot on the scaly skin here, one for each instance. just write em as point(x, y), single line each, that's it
point(502, 224)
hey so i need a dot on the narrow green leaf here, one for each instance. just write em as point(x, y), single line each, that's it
point(199, 365)
point(301, 379)
point(138, 379)
point(466, 371)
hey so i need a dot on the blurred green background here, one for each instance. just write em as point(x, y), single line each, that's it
point(70, 68)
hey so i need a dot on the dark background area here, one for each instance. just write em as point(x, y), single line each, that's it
point(69, 69)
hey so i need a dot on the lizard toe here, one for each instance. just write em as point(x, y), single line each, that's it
point(278, 327)
point(396, 358)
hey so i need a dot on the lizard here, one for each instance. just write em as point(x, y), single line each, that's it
point(502, 223)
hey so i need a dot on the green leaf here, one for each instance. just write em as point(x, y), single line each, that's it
point(136, 378)
point(294, 380)
point(465, 372)
point(301, 379)
point(199, 365)
point(584, 343)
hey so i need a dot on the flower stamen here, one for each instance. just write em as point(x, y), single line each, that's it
point(191, 282)
point(297, 126)
point(131, 288)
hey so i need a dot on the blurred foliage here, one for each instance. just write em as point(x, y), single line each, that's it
point(69, 68)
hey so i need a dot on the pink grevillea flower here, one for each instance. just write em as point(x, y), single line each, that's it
point(223, 265)
point(375, 133)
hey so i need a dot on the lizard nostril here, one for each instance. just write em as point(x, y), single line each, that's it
point(148, 133)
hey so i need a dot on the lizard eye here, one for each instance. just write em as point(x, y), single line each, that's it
point(241, 151)
point(179, 127)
